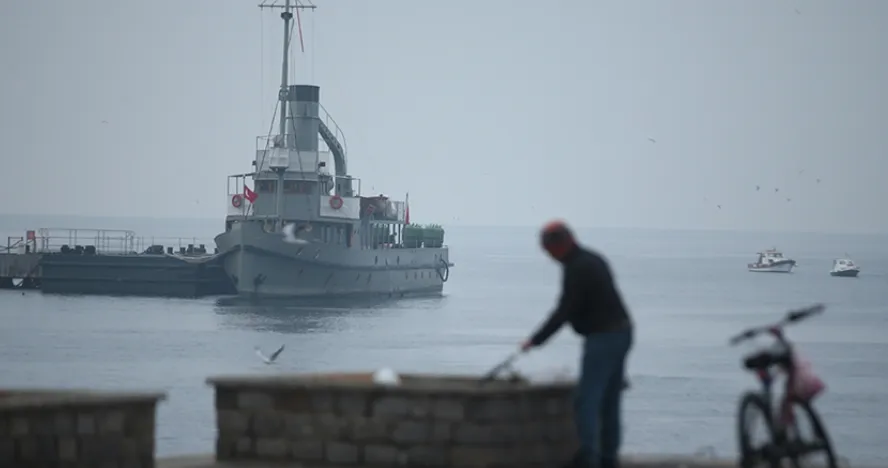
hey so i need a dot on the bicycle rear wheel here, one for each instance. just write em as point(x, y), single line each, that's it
point(753, 405)
point(817, 443)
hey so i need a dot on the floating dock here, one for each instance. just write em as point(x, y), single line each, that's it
point(111, 262)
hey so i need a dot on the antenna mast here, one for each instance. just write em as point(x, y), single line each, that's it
point(283, 94)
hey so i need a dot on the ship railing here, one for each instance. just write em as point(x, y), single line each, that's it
point(114, 242)
point(235, 200)
point(176, 245)
point(264, 142)
point(104, 241)
point(334, 127)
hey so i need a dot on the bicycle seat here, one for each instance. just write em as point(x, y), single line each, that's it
point(766, 359)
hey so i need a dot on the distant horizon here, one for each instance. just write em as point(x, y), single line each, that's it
point(469, 225)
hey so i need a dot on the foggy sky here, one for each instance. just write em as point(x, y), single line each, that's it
point(488, 112)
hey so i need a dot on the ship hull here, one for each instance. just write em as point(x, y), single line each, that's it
point(845, 273)
point(262, 264)
point(776, 267)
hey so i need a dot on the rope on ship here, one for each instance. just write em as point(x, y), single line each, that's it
point(443, 270)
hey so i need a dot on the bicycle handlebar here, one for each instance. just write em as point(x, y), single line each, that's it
point(791, 317)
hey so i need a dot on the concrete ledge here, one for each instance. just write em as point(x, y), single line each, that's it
point(410, 384)
point(69, 428)
point(19, 399)
point(335, 420)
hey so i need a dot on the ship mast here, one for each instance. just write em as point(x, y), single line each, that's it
point(283, 94)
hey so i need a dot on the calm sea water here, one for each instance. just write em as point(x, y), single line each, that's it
point(689, 291)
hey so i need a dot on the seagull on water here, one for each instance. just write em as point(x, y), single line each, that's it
point(291, 233)
point(269, 359)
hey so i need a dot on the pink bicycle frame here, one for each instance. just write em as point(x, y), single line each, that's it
point(801, 383)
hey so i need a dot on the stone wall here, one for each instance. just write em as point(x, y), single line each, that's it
point(77, 429)
point(346, 420)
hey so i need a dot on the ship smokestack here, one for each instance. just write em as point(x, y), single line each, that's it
point(302, 128)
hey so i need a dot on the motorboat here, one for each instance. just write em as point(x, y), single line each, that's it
point(772, 261)
point(844, 267)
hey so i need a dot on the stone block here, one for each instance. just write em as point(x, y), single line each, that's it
point(483, 434)
point(367, 430)
point(322, 403)
point(499, 409)
point(226, 398)
point(64, 424)
point(329, 426)
point(46, 448)
point(450, 409)
point(111, 422)
point(7, 451)
point(305, 402)
point(226, 447)
point(276, 449)
point(254, 400)
point(86, 424)
point(382, 455)
point(298, 426)
point(441, 432)
point(294, 401)
point(391, 407)
point(232, 423)
point(307, 450)
point(40, 424)
point(19, 426)
point(431, 456)
point(27, 449)
point(140, 421)
point(555, 407)
point(482, 457)
point(411, 432)
point(98, 449)
point(268, 424)
point(352, 404)
point(245, 448)
point(341, 453)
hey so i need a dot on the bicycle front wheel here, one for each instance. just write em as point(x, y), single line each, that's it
point(816, 442)
point(754, 406)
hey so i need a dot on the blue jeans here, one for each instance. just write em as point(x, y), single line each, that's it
point(599, 394)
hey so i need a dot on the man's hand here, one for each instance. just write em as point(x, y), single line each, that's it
point(526, 346)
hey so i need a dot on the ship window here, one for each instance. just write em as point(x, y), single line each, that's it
point(297, 186)
point(265, 186)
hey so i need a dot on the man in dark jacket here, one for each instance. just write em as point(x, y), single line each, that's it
point(592, 305)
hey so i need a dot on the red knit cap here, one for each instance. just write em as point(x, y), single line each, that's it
point(557, 239)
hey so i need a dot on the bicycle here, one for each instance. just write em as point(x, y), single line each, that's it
point(800, 389)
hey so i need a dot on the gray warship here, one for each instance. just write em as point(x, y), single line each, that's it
point(304, 231)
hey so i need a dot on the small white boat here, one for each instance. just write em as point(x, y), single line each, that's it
point(844, 267)
point(772, 261)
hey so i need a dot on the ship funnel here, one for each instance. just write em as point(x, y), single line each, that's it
point(302, 118)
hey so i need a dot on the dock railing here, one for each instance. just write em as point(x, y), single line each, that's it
point(115, 242)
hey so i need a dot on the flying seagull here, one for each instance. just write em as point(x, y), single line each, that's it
point(291, 231)
point(757, 188)
point(269, 359)
point(652, 140)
